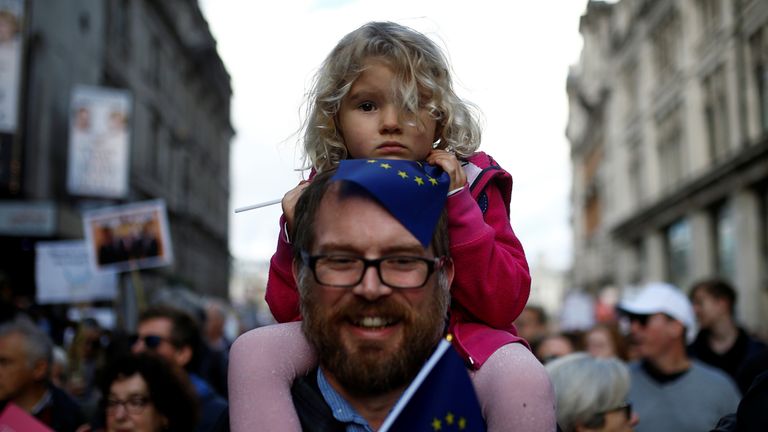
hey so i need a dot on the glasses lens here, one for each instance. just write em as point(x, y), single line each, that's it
point(132, 339)
point(404, 272)
point(628, 411)
point(152, 341)
point(641, 319)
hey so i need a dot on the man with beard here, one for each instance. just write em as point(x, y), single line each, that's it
point(372, 329)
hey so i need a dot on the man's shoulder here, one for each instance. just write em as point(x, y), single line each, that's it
point(711, 376)
point(311, 407)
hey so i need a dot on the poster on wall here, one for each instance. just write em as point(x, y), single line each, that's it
point(128, 237)
point(11, 40)
point(99, 142)
point(63, 274)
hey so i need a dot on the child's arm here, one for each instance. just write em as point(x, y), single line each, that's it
point(515, 392)
point(492, 280)
point(262, 366)
point(282, 295)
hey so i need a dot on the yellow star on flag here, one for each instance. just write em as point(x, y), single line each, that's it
point(433, 181)
point(418, 181)
point(371, 161)
point(449, 418)
point(386, 166)
point(436, 424)
point(462, 423)
point(402, 174)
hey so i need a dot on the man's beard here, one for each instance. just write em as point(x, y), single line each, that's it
point(367, 369)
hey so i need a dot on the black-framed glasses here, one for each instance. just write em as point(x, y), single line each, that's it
point(396, 271)
point(150, 341)
point(598, 420)
point(134, 404)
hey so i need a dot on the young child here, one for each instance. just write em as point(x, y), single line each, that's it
point(385, 91)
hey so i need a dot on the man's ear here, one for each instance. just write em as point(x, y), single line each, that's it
point(295, 267)
point(183, 355)
point(40, 370)
point(449, 270)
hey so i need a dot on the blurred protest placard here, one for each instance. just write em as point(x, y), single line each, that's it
point(63, 274)
point(128, 237)
point(99, 139)
point(11, 20)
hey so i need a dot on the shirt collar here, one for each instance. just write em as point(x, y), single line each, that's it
point(341, 409)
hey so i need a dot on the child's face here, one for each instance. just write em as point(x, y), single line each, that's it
point(371, 122)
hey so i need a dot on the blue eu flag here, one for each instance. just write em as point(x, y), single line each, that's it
point(440, 398)
point(413, 192)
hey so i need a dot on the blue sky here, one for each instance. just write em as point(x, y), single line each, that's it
point(510, 58)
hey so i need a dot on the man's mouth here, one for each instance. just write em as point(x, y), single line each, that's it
point(374, 322)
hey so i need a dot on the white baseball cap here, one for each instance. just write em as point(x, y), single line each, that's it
point(660, 297)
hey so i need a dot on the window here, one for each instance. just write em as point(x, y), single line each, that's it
point(670, 149)
point(666, 47)
point(120, 26)
point(725, 241)
point(758, 45)
point(711, 16)
point(716, 113)
point(635, 172)
point(678, 245)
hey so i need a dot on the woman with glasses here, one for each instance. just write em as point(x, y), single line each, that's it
point(144, 393)
point(591, 394)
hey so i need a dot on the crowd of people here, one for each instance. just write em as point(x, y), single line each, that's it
point(167, 376)
point(689, 365)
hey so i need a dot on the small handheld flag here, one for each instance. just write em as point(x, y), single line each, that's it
point(440, 398)
point(413, 192)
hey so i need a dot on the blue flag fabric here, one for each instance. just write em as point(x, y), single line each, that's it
point(413, 192)
point(444, 400)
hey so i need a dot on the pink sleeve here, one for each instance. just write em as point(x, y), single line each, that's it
point(282, 295)
point(515, 392)
point(262, 366)
point(492, 282)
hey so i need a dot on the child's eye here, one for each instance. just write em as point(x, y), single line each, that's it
point(367, 106)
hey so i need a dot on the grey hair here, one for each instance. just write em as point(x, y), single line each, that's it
point(37, 345)
point(586, 386)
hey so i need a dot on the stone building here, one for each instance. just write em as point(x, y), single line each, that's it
point(163, 54)
point(669, 146)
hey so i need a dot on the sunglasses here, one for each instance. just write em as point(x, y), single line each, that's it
point(642, 319)
point(150, 341)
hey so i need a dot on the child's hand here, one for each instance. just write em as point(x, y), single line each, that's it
point(289, 203)
point(449, 164)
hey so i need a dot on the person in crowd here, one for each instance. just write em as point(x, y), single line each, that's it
point(605, 340)
point(86, 359)
point(670, 391)
point(591, 394)
point(751, 415)
point(26, 354)
point(373, 335)
point(145, 393)
point(552, 346)
point(721, 342)
point(175, 335)
point(532, 324)
point(216, 360)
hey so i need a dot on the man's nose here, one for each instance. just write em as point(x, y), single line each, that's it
point(370, 287)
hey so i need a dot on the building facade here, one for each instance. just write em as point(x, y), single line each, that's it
point(163, 54)
point(669, 145)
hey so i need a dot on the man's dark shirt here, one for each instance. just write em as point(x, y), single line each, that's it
point(731, 361)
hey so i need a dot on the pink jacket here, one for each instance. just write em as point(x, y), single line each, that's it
point(491, 283)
